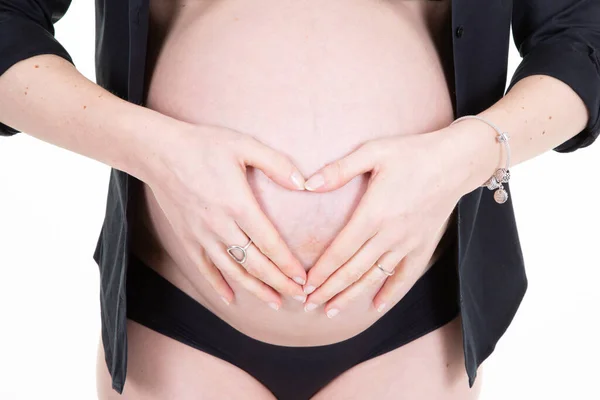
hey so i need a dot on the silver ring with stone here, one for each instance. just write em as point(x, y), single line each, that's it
point(242, 259)
point(388, 273)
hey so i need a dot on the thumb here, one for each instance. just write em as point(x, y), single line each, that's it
point(273, 164)
point(338, 173)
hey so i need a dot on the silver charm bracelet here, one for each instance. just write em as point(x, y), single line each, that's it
point(502, 175)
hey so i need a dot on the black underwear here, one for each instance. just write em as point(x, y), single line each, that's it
point(292, 373)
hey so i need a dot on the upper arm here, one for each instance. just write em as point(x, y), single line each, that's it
point(561, 38)
point(26, 30)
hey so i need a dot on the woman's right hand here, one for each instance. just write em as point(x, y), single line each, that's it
point(199, 180)
point(197, 173)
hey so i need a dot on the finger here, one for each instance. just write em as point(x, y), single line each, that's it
point(212, 275)
point(370, 281)
point(233, 270)
point(341, 171)
point(273, 164)
point(267, 239)
point(400, 283)
point(352, 237)
point(262, 268)
point(196, 256)
point(350, 272)
point(256, 263)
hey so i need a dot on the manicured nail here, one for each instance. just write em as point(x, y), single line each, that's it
point(314, 182)
point(299, 281)
point(381, 307)
point(301, 299)
point(298, 180)
point(274, 306)
point(310, 307)
point(309, 289)
point(225, 300)
point(333, 312)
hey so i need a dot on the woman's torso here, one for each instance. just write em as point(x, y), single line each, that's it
point(313, 80)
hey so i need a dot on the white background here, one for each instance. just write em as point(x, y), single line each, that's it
point(52, 203)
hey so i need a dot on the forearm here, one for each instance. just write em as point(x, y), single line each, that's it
point(539, 113)
point(49, 99)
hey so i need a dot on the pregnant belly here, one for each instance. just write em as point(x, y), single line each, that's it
point(313, 80)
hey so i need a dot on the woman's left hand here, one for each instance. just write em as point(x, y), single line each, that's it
point(415, 183)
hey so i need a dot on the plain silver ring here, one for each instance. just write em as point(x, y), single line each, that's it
point(240, 248)
point(388, 273)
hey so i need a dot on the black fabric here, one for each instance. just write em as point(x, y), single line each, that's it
point(26, 30)
point(560, 38)
point(292, 373)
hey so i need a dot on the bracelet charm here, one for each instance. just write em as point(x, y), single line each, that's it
point(502, 175)
point(501, 195)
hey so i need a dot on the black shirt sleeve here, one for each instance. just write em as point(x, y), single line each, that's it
point(561, 38)
point(26, 30)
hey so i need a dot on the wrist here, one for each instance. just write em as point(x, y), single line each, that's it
point(149, 137)
point(473, 153)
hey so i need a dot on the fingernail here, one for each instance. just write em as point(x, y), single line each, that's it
point(301, 299)
point(310, 307)
point(298, 180)
point(299, 280)
point(381, 307)
point(333, 312)
point(315, 182)
point(274, 306)
point(225, 300)
point(309, 289)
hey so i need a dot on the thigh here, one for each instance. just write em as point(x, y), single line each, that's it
point(431, 367)
point(161, 368)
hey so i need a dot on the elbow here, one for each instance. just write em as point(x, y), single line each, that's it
point(573, 58)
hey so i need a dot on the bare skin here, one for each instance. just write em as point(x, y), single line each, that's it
point(314, 90)
point(47, 98)
point(314, 116)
